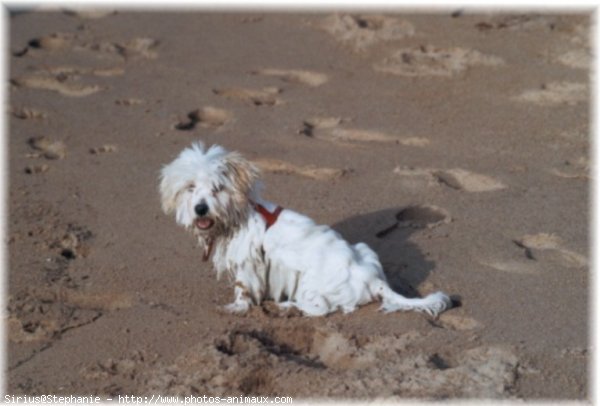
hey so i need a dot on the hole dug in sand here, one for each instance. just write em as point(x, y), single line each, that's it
point(273, 360)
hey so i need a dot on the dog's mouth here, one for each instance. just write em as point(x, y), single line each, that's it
point(204, 223)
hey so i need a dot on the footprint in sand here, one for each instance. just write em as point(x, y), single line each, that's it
point(416, 178)
point(63, 79)
point(523, 267)
point(74, 243)
point(357, 135)
point(123, 368)
point(461, 179)
point(311, 172)
point(579, 53)
point(537, 246)
point(129, 102)
point(573, 169)
point(518, 22)
point(136, 48)
point(456, 178)
point(62, 72)
point(266, 96)
point(103, 149)
point(141, 47)
point(431, 61)
point(27, 329)
point(89, 14)
point(314, 127)
point(578, 134)
point(534, 243)
point(56, 85)
point(27, 113)
point(556, 93)
point(49, 149)
point(576, 58)
point(327, 128)
point(359, 32)
point(53, 42)
point(206, 117)
point(458, 322)
point(36, 169)
point(18, 331)
point(40, 314)
point(421, 216)
point(85, 300)
point(305, 77)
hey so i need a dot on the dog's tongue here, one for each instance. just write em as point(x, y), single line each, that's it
point(204, 223)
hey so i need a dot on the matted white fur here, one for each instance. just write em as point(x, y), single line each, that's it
point(295, 262)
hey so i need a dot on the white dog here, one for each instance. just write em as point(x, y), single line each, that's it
point(273, 252)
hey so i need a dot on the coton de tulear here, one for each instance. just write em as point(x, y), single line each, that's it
point(272, 252)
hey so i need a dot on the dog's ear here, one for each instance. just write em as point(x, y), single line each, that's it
point(242, 173)
point(170, 188)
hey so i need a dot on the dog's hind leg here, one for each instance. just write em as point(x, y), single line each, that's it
point(313, 304)
point(432, 304)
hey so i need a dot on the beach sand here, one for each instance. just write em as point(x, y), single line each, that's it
point(455, 144)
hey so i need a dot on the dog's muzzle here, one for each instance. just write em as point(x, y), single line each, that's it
point(203, 222)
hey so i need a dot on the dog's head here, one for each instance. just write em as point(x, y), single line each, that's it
point(209, 190)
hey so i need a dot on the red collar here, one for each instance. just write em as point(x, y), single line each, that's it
point(270, 219)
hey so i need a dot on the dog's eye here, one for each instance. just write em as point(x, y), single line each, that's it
point(190, 187)
point(217, 189)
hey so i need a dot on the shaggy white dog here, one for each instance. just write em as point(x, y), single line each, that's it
point(272, 252)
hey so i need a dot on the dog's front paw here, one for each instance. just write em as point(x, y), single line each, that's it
point(237, 307)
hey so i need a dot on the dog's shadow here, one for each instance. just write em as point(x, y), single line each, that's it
point(387, 232)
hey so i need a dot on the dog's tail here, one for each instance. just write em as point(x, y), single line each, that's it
point(432, 304)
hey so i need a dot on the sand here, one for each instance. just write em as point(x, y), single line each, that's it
point(455, 144)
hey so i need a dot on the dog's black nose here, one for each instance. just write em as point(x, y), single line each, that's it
point(201, 209)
